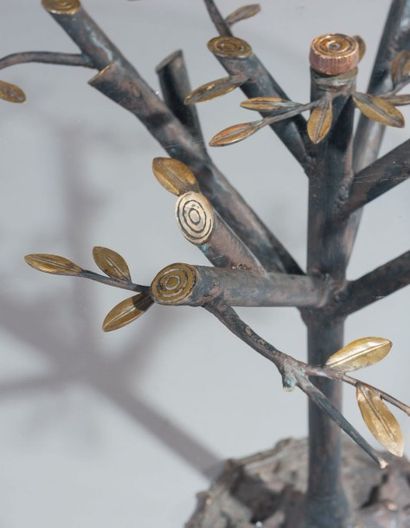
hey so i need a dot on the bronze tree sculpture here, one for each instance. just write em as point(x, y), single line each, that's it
point(250, 266)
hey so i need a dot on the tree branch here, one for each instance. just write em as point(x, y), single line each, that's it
point(378, 178)
point(374, 286)
point(218, 20)
point(111, 281)
point(293, 373)
point(46, 57)
point(183, 284)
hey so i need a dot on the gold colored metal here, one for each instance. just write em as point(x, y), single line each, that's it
point(176, 177)
point(359, 354)
point(242, 13)
point(127, 311)
point(378, 109)
point(52, 264)
point(230, 48)
point(267, 104)
point(380, 421)
point(214, 89)
point(234, 134)
point(362, 46)
point(11, 93)
point(62, 7)
point(320, 120)
point(111, 263)
point(195, 217)
point(400, 66)
point(173, 284)
point(334, 53)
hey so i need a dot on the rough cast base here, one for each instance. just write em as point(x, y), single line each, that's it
point(267, 490)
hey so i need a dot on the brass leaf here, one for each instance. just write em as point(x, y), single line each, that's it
point(380, 421)
point(398, 100)
point(52, 264)
point(127, 311)
point(176, 177)
point(378, 109)
point(362, 46)
point(234, 134)
point(320, 120)
point(243, 13)
point(268, 104)
point(111, 263)
point(213, 89)
point(400, 66)
point(11, 93)
point(359, 354)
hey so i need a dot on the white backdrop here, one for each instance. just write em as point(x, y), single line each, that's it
point(121, 429)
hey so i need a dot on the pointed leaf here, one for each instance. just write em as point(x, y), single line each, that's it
point(127, 311)
point(378, 109)
point(11, 93)
point(362, 46)
point(400, 66)
point(235, 133)
point(380, 421)
point(398, 100)
point(359, 354)
point(242, 13)
point(176, 177)
point(320, 120)
point(268, 104)
point(213, 89)
point(52, 264)
point(111, 263)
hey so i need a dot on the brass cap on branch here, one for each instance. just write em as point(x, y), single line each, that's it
point(230, 48)
point(62, 7)
point(173, 284)
point(195, 217)
point(334, 54)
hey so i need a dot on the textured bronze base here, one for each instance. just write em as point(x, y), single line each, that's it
point(267, 490)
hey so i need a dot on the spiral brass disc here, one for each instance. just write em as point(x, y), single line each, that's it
point(195, 217)
point(62, 7)
point(334, 53)
point(173, 284)
point(230, 47)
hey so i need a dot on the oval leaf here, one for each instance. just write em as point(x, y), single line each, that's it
point(242, 13)
point(380, 421)
point(52, 264)
point(359, 354)
point(11, 93)
point(234, 134)
point(398, 100)
point(268, 104)
point(378, 109)
point(400, 66)
point(174, 176)
point(320, 120)
point(127, 311)
point(111, 263)
point(213, 89)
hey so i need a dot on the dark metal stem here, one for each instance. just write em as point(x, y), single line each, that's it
point(219, 21)
point(328, 250)
point(175, 86)
point(110, 281)
point(46, 57)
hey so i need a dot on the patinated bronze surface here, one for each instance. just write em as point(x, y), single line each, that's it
point(251, 267)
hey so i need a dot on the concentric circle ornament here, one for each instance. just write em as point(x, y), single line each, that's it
point(62, 7)
point(173, 284)
point(195, 217)
point(334, 53)
point(230, 47)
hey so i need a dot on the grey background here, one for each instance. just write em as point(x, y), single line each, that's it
point(122, 429)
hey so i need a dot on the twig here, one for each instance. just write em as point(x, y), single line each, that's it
point(46, 57)
point(117, 283)
point(293, 372)
point(219, 21)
